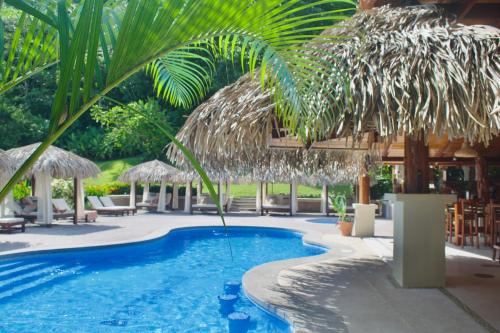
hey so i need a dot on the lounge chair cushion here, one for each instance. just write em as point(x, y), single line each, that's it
point(11, 220)
point(29, 204)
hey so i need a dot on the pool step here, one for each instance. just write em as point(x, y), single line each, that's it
point(31, 276)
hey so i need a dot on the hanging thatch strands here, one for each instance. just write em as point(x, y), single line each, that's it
point(228, 135)
point(413, 70)
point(150, 172)
point(6, 166)
point(56, 162)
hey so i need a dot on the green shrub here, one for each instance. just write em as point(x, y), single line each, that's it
point(63, 189)
point(21, 190)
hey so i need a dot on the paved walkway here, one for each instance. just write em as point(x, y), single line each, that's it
point(348, 289)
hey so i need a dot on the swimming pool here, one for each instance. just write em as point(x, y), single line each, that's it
point(166, 285)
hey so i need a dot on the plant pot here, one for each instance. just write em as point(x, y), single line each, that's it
point(345, 228)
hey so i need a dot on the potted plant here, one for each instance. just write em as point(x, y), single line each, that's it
point(339, 204)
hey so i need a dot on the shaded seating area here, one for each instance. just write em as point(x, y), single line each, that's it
point(54, 163)
point(149, 173)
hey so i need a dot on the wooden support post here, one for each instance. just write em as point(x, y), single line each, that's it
point(75, 200)
point(364, 189)
point(261, 199)
point(483, 188)
point(416, 165)
point(33, 186)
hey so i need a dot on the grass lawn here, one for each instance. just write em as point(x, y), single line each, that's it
point(112, 169)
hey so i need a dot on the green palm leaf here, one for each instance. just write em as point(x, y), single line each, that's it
point(268, 34)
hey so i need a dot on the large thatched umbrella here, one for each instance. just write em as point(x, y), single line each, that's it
point(151, 172)
point(55, 163)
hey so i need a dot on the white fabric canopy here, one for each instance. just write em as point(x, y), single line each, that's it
point(43, 192)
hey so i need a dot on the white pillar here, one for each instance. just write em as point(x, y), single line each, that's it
point(43, 192)
point(258, 202)
point(220, 191)
point(324, 199)
point(364, 220)
point(293, 198)
point(419, 244)
point(187, 198)
point(162, 197)
point(80, 199)
point(264, 193)
point(199, 190)
point(132, 194)
point(145, 193)
point(175, 196)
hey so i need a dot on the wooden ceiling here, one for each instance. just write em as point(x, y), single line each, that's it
point(471, 11)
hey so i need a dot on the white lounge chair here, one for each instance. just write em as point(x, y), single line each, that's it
point(97, 205)
point(108, 203)
point(9, 223)
point(209, 206)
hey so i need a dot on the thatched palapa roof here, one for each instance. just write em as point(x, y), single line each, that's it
point(6, 165)
point(150, 172)
point(412, 69)
point(228, 135)
point(55, 161)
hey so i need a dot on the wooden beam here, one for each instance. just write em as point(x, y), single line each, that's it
point(416, 164)
point(364, 189)
point(483, 188)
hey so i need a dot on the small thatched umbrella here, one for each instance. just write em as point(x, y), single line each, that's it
point(152, 172)
point(6, 170)
point(55, 163)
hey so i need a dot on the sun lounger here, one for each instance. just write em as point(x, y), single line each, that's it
point(28, 216)
point(108, 203)
point(9, 223)
point(97, 205)
point(63, 210)
point(208, 206)
point(276, 208)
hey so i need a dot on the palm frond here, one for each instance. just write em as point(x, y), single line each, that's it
point(33, 48)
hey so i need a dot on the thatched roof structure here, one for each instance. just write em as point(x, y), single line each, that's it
point(150, 172)
point(228, 135)
point(6, 165)
point(55, 161)
point(412, 69)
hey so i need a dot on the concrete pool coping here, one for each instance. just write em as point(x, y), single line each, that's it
point(279, 286)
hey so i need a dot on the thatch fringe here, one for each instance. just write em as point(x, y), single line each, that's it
point(58, 162)
point(6, 165)
point(150, 172)
point(413, 70)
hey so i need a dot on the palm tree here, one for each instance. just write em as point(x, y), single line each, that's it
point(99, 44)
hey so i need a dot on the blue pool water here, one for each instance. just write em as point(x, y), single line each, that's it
point(167, 285)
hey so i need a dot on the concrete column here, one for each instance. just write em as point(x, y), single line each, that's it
point(79, 199)
point(220, 192)
point(187, 198)
point(132, 194)
point(175, 196)
point(199, 190)
point(324, 200)
point(419, 244)
point(162, 197)
point(258, 198)
point(43, 191)
point(264, 193)
point(364, 220)
point(145, 193)
point(293, 198)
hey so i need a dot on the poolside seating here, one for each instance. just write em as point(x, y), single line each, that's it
point(205, 204)
point(63, 210)
point(108, 203)
point(98, 206)
point(276, 204)
point(10, 223)
point(28, 211)
point(152, 205)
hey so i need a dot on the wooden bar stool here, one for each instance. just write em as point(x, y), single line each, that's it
point(468, 222)
point(449, 222)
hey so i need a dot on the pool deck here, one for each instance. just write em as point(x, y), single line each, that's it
point(348, 289)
